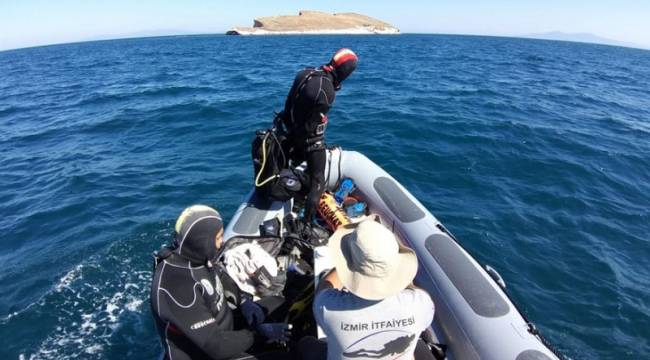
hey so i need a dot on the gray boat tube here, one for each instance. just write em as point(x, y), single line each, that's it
point(474, 316)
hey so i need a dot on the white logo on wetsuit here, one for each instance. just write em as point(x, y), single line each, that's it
point(219, 290)
point(207, 286)
point(203, 323)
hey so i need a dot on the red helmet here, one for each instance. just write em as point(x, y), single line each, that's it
point(342, 64)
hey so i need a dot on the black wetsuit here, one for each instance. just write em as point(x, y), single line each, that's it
point(305, 117)
point(188, 298)
point(191, 312)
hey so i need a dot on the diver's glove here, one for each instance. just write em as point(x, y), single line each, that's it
point(275, 332)
point(252, 312)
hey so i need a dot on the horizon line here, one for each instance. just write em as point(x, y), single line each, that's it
point(135, 37)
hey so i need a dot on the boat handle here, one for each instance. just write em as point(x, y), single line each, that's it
point(495, 276)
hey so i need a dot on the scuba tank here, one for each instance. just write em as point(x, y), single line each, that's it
point(331, 212)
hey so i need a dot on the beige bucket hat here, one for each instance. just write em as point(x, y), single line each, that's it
point(370, 261)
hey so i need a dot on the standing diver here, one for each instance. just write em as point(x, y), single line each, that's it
point(305, 119)
point(191, 296)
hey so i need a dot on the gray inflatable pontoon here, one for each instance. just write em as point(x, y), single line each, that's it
point(474, 316)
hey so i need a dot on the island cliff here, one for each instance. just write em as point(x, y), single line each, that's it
point(316, 22)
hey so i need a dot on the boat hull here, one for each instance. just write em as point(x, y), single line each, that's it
point(474, 316)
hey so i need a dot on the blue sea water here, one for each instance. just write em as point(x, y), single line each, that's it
point(536, 154)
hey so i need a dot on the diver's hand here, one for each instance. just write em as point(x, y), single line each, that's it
point(275, 332)
point(252, 312)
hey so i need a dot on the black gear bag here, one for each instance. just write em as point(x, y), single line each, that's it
point(272, 177)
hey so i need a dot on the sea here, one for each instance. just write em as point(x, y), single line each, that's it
point(534, 153)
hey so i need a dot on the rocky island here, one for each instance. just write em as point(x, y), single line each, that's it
point(316, 22)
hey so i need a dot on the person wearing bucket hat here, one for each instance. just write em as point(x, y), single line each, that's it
point(366, 304)
point(191, 296)
point(305, 119)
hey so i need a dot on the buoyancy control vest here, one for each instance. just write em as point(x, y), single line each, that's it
point(272, 176)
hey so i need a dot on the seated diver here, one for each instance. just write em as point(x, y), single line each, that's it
point(367, 305)
point(190, 296)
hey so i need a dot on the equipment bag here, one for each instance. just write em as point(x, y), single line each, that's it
point(260, 282)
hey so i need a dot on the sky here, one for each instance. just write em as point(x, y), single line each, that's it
point(25, 23)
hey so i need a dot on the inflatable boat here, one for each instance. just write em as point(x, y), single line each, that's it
point(474, 317)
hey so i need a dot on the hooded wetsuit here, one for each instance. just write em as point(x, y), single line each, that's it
point(188, 299)
point(305, 117)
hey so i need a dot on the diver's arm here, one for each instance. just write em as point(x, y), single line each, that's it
point(316, 161)
point(317, 96)
point(315, 148)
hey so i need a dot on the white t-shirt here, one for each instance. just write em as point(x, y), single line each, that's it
point(365, 329)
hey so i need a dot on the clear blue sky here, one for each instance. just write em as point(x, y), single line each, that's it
point(37, 22)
